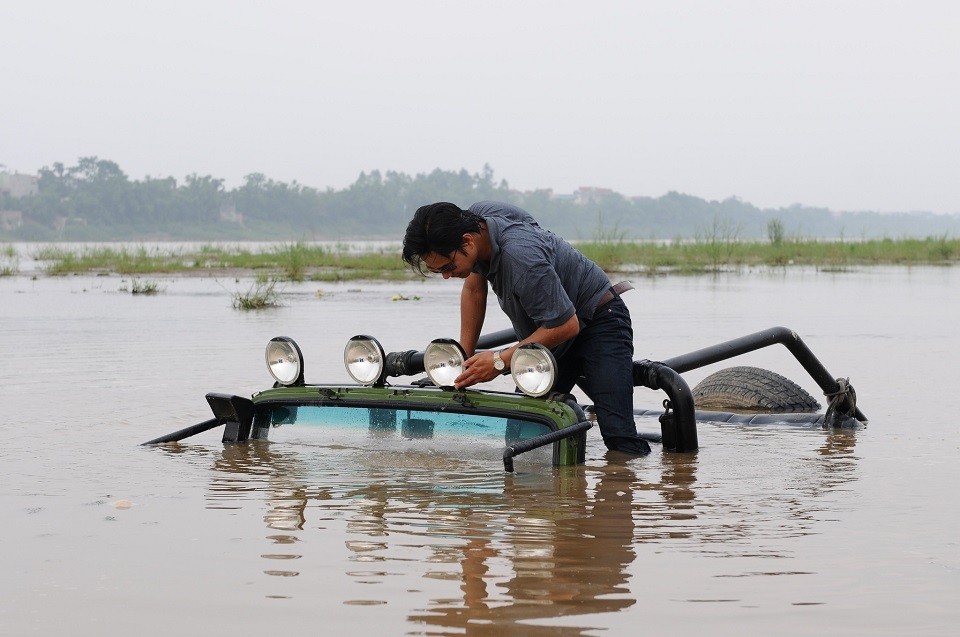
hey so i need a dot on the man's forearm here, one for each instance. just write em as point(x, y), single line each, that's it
point(549, 337)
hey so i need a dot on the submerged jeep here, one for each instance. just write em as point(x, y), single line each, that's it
point(532, 418)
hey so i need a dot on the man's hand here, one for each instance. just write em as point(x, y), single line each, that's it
point(479, 367)
point(476, 369)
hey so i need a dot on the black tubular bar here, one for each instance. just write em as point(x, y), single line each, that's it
point(540, 441)
point(405, 363)
point(759, 340)
point(236, 412)
point(497, 339)
point(410, 362)
point(679, 429)
point(186, 432)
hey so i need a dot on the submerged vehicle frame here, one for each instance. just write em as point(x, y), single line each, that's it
point(529, 421)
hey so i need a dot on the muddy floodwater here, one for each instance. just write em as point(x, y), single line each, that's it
point(783, 530)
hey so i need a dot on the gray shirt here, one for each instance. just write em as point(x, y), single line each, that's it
point(539, 279)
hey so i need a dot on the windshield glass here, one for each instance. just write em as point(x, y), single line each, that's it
point(405, 423)
point(391, 436)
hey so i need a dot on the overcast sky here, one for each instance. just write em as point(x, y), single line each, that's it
point(851, 105)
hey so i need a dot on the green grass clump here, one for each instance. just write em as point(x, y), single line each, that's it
point(144, 287)
point(9, 260)
point(261, 295)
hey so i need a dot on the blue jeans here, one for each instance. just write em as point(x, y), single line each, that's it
point(600, 362)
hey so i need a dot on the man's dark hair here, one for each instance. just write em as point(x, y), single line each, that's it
point(438, 228)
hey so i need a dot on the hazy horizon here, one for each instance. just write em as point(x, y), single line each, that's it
point(843, 105)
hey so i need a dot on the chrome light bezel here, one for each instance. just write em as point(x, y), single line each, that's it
point(369, 350)
point(527, 363)
point(443, 361)
point(280, 353)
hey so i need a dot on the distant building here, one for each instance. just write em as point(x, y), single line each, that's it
point(587, 195)
point(549, 194)
point(16, 185)
point(10, 219)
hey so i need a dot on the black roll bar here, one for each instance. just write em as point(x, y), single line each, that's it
point(497, 339)
point(759, 340)
point(186, 432)
point(410, 362)
point(678, 429)
point(236, 412)
point(510, 451)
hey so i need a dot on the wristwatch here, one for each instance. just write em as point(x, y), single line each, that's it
point(498, 363)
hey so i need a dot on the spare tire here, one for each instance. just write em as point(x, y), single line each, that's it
point(752, 389)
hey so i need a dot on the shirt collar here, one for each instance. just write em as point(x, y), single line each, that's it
point(487, 270)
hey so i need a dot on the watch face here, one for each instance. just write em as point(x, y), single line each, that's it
point(497, 361)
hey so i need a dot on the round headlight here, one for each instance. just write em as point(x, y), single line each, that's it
point(443, 361)
point(533, 369)
point(363, 358)
point(284, 361)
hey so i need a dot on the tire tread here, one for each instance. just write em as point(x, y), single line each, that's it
point(752, 389)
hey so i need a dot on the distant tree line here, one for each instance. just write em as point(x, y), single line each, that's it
point(95, 200)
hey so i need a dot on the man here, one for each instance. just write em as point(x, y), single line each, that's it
point(552, 294)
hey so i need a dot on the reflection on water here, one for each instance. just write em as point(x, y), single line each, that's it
point(543, 544)
point(514, 546)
